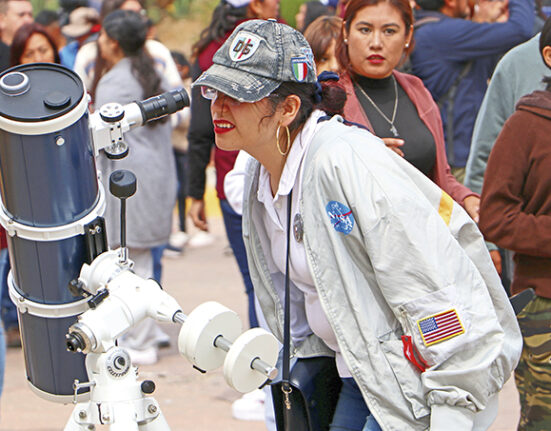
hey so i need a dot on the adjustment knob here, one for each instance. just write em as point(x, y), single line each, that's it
point(111, 112)
point(122, 184)
point(148, 386)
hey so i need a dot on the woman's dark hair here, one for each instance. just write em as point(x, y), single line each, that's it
point(129, 29)
point(107, 7)
point(321, 32)
point(224, 19)
point(545, 40)
point(352, 9)
point(333, 98)
point(314, 9)
point(22, 36)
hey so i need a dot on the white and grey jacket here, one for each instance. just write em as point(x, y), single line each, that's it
point(388, 251)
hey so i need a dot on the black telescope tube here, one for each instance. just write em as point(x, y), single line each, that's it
point(163, 104)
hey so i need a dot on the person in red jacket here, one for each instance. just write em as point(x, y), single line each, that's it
point(515, 214)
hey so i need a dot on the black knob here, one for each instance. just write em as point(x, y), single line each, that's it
point(74, 342)
point(122, 184)
point(98, 298)
point(148, 386)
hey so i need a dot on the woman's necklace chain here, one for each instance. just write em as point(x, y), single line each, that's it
point(388, 120)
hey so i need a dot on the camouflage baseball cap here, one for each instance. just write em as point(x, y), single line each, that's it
point(257, 57)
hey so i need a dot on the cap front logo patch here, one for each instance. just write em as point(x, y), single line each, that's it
point(300, 68)
point(341, 217)
point(244, 46)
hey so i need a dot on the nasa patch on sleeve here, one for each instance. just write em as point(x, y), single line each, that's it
point(341, 217)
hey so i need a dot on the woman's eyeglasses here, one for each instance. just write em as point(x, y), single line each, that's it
point(212, 94)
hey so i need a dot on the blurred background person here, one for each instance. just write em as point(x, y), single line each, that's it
point(322, 36)
point(455, 55)
point(180, 237)
point(130, 76)
point(91, 68)
point(376, 38)
point(83, 27)
point(50, 20)
point(309, 11)
point(33, 44)
point(13, 14)
point(518, 73)
point(514, 214)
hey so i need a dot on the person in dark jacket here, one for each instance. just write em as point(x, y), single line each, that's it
point(455, 56)
point(515, 214)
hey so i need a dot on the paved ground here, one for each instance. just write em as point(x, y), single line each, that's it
point(190, 401)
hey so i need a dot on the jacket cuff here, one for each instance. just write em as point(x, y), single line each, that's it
point(448, 418)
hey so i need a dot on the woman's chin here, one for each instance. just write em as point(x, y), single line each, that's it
point(224, 144)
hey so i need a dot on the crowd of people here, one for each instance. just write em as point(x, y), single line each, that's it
point(403, 144)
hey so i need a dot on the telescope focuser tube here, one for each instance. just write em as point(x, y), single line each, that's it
point(163, 104)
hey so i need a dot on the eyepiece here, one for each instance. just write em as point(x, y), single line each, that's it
point(163, 104)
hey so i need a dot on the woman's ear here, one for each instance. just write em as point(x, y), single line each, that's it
point(289, 109)
point(546, 54)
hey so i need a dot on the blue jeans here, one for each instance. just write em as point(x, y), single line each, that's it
point(181, 159)
point(352, 413)
point(234, 232)
point(8, 308)
point(157, 253)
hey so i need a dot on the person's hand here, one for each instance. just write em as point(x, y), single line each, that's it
point(491, 11)
point(472, 206)
point(197, 214)
point(496, 259)
point(394, 144)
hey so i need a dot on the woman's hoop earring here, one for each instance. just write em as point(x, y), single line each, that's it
point(283, 153)
point(346, 41)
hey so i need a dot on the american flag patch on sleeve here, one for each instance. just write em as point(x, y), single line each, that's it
point(440, 327)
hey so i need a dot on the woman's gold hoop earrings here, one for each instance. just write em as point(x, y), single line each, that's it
point(283, 153)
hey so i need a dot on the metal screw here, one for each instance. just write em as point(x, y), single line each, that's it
point(82, 414)
point(152, 408)
point(105, 417)
point(59, 141)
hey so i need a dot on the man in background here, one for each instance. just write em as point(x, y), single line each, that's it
point(13, 14)
point(455, 53)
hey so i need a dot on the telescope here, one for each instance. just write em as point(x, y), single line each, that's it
point(75, 296)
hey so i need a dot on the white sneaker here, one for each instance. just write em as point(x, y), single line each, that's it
point(250, 407)
point(143, 357)
point(178, 239)
point(201, 239)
